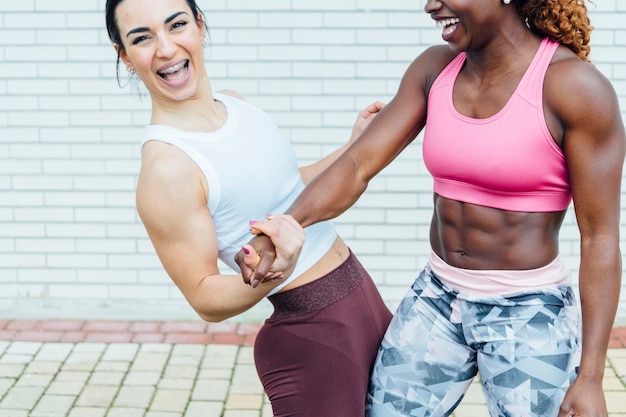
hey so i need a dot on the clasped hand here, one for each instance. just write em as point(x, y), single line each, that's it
point(273, 253)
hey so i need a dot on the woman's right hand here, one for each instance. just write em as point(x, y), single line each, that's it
point(273, 253)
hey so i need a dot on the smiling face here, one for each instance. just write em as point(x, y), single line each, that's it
point(163, 43)
point(467, 24)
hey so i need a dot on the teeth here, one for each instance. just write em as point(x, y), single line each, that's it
point(447, 22)
point(173, 69)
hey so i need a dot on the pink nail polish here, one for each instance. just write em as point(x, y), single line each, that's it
point(246, 251)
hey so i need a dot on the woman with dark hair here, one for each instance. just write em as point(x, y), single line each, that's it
point(210, 163)
point(518, 124)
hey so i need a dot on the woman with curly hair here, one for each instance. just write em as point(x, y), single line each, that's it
point(518, 124)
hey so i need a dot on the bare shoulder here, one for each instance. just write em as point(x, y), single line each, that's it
point(575, 88)
point(429, 64)
point(168, 181)
point(231, 93)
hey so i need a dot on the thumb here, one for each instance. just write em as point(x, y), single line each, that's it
point(251, 257)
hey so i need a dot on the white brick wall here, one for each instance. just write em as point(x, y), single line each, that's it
point(70, 240)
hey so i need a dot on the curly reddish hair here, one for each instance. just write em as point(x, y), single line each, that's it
point(565, 21)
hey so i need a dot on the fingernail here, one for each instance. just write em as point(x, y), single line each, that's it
point(255, 283)
point(245, 250)
point(252, 222)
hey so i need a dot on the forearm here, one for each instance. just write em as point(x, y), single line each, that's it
point(329, 194)
point(309, 172)
point(219, 297)
point(600, 283)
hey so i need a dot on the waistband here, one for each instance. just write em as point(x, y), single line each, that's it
point(498, 282)
point(320, 293)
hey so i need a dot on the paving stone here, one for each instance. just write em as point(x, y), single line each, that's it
point(210, 390)
point(165, 380)
point(43, 367)
point(65, 388)
point(54, 352)
point(24, 348)
point(134, 397)
point(173, 401)
point(21, 398)
point(107, 378)
point(34, 380)
point(5, 385)
point(142, 378)
point(616, 401)
point(87, 412)
point(97, 396)
point(11, 370)
point(149, 361)
point(126, 412)
point(176, 384)
point(75, 376)
point(123, 352)
point(244, 402)
point(204, 409)
point(15, 359)
point(161, 414)
point(13, 413)
point(53, 406)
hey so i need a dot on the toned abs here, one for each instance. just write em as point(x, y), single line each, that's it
point(470, 236)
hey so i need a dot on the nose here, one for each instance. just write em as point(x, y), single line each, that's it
point(432, 6)
point(165, 46)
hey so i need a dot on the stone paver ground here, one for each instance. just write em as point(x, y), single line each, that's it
point(161, 369)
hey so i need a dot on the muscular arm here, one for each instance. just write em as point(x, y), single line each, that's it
point(171, 200)
point(342, 183)
point(594, 146)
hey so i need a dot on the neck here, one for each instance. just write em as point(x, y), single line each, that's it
point(504, 55)
point(197, 113)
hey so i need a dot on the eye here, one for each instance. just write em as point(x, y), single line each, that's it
point(139, 39)
point(179, 24)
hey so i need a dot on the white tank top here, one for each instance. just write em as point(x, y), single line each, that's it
point(251, 170)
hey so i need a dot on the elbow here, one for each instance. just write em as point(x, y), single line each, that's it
point(213, 316)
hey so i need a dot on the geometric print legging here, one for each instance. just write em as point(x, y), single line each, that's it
point(525, 347)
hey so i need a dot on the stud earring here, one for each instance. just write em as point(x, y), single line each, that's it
point(130, 71)
point(506, 1)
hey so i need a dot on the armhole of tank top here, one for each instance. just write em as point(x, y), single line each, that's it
point(538, 77)
point(453, 66)
point(540, 66)
point(213, 182)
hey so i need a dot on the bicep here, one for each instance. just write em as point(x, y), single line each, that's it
point(179, 225)
point(594, 146)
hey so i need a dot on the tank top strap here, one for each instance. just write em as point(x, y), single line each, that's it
point(531, 85)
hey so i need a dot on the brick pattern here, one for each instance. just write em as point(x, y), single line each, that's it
point(77, 331)
point(178, 332)
point(69, 136)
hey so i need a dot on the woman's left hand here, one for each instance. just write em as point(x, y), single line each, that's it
point(584, 398)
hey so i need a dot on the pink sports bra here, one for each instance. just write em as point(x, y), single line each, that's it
point(508, 161)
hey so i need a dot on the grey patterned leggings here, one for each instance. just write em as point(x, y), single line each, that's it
point(525, 347)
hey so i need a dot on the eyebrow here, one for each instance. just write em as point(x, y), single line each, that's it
point(145, 29)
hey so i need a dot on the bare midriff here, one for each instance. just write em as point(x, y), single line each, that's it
point(336, 255)
point(476, 237)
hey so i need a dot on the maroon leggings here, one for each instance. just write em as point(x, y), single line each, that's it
point(314, 354)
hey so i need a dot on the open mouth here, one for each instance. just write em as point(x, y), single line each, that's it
point(174, 72)
point(449, 25)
